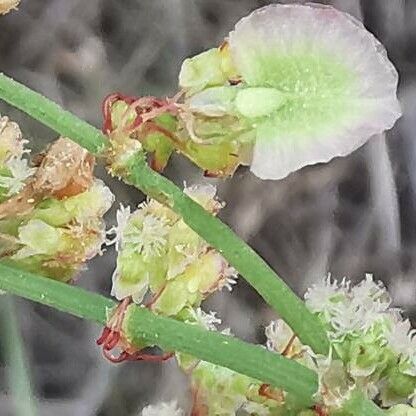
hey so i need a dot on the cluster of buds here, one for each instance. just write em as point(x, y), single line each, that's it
point(160, 127)
point(163, 264)
point(51, 216)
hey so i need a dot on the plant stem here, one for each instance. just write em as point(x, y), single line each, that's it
point(52, 115)
point(15, 357)
point(247, 262)
point(251, 360)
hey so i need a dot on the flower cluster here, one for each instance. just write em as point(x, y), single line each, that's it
point(373, 341)
point(51, 216)
point(160, 257)
point(373, 349)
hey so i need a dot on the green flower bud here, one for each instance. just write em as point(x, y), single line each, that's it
point(397, 387)
point(207, 69)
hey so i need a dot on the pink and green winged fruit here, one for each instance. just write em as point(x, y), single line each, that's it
point(161, 257)
point(55, 222)
point(293, 85)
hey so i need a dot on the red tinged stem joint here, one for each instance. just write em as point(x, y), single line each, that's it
point(112, 337)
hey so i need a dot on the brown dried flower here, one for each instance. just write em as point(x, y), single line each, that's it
point(8, 5)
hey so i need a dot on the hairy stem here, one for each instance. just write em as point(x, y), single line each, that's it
point(247, 262)
point(251, 360)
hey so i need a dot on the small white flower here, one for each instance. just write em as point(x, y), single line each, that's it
point(369, 291)
point(352, 317)
point(123, 216)
point(163, 409)
point(149, 238)
point(349, 310)
point(320, 297)
point(20, 171)
point(402, 339)
point(207, 320)
point(228, 279)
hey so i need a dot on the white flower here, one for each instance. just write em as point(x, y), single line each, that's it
point(352, 317)
point(228, 279)
point(149, 238)
point(208, 320)
point(122, 216)
point(402, 339)
point(320, 297)
point(163, 409)
point(20, 171)
point(349, 310)
point(369, 291)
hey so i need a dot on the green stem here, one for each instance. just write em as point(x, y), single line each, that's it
point(251, 360)
point(247, 262)
point(52, 115)
point(15, 357)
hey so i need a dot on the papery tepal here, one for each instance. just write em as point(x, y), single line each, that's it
point(296, 84)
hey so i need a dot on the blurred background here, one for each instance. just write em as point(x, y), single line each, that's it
point(351, 216)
